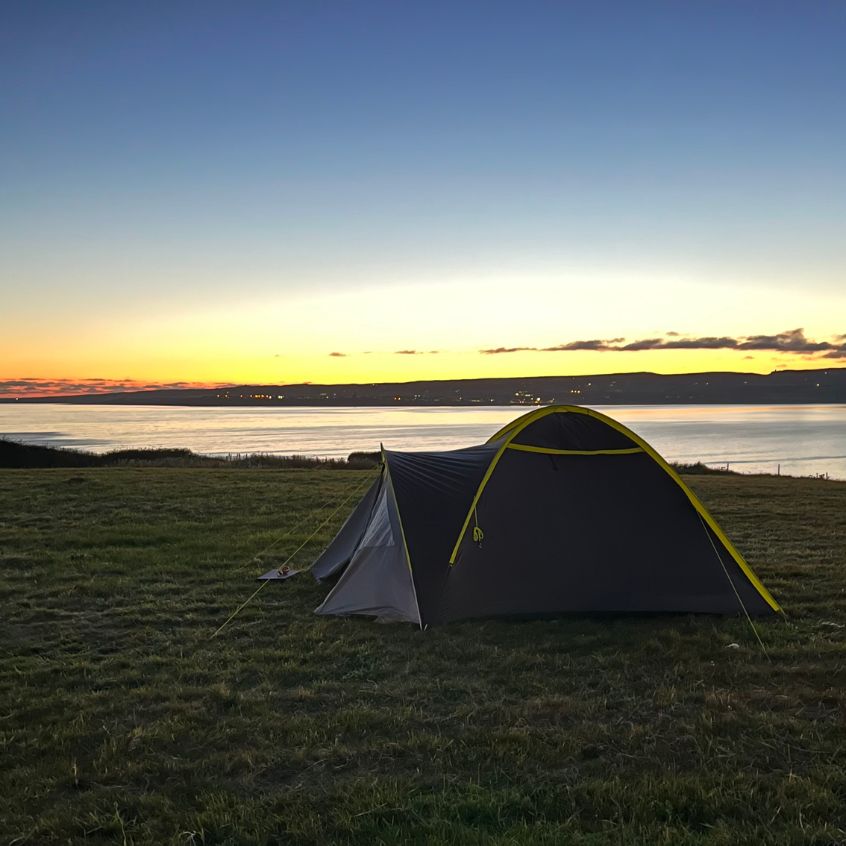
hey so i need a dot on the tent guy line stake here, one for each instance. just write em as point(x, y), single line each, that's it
point(722, 564)
point(265, 583)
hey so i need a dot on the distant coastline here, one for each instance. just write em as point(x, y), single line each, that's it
point(779, 387)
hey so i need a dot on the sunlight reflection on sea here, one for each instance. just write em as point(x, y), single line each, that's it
point(802, 439)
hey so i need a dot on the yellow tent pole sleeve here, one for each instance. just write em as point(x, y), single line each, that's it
point(549, 451)
point(509, 432)
point(485, 480)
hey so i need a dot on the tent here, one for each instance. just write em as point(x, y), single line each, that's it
point(563, 510)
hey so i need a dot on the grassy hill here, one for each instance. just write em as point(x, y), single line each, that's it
point(121, 721)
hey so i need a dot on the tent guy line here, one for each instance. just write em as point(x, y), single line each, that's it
point(740, 601)
point(281, 569)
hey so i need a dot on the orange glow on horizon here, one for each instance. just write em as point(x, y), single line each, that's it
point(374, 367)
point(353, 337)
point(43, 387)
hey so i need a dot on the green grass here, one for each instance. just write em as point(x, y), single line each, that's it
point(121, 721)
point(17, 455)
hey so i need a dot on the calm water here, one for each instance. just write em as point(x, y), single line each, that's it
point(803, 439)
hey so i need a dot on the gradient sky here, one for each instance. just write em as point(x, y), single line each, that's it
point(230, 192)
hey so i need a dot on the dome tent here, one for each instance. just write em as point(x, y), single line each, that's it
point(563, 510)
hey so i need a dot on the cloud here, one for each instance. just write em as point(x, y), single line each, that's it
point(499, 350)
point(337, 355)
point(636, 346)
point(581, 345)
point(69, 387)
point(570, 346)
point(792, 341)
point(416, 352)
point(708, 343)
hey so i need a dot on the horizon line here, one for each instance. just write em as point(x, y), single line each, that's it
point(31, 386)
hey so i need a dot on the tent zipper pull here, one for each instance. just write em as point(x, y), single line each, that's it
point(478, 534)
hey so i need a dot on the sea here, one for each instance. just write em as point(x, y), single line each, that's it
point(796, 440)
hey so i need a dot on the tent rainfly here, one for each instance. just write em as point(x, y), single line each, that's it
point(563, 510)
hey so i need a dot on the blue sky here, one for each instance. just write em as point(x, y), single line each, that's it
point(165, 160)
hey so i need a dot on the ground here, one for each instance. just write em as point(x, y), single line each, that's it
point(123, 721)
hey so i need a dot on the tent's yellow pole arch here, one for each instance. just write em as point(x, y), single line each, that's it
point(510, 431)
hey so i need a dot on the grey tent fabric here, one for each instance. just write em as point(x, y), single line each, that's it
point(562, 511)
point(338, 554)
point(377, 581)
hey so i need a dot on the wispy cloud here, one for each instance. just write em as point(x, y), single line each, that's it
point(376, 352)
point(68, 387)
point(582, 345)
point(791, 341)
point(498, 350)
point(680, 344)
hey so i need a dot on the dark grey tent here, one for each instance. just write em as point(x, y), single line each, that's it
point(563, 510)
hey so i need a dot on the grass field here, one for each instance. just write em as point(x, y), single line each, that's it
point(122, 722)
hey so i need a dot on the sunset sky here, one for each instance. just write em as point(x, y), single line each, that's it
point(333, 192)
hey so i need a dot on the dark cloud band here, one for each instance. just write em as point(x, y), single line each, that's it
point(791, 341)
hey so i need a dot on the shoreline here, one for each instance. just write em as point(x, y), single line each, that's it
point(375, 405)
point(16, 455)
point(800, 440)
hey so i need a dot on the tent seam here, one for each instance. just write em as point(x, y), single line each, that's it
point(390, 482)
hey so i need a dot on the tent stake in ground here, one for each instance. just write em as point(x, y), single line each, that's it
point(563, 510)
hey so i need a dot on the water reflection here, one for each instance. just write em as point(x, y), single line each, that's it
point(804, 439)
